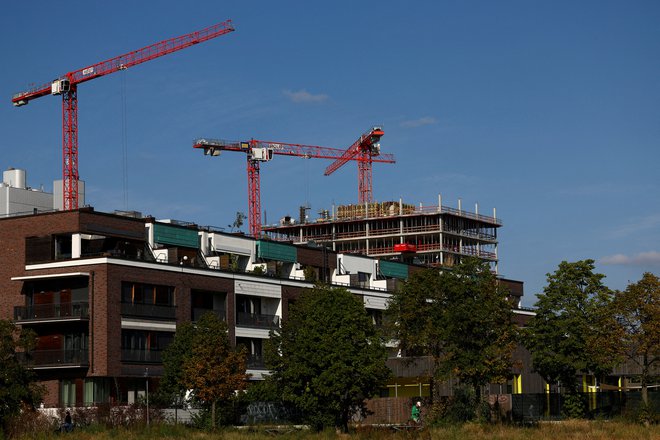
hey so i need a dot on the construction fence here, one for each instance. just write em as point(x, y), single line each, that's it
point(549, 406)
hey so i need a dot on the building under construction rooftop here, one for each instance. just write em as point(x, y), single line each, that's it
point(429, 235)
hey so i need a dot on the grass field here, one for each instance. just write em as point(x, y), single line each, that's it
point(569, 430)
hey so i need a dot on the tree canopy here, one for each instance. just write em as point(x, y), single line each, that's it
point(637, 311)
point(202, 360)
point(328, 357)
point(172, 387)
point(18, 385)
point(462, 318)
point(570, 333)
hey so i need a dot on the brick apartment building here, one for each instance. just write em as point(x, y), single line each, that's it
point(104, 292)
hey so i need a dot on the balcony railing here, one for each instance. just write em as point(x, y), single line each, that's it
point(55, 358)
point(255, 361)
point(411, 366)
point(141, 356)
point(148, 311)
point(257, 320)
point(70, 310)
point(198, 312)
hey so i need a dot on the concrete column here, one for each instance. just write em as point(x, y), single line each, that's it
point(76, 245)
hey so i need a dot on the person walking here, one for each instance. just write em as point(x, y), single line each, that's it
point(416, 412)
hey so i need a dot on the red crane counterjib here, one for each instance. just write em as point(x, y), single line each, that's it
point(128, 60)
point(362, 145)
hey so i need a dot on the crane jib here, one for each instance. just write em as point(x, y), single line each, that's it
point(66, 86)
point(128, 60)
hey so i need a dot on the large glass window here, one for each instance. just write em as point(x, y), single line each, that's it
point(254, 347)
point(202, 301)
point(96, 390)
point(144, 345)
point(56, 290)
point(138, 293)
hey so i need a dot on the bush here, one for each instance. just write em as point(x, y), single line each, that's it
point(462, 406)
point(573, 406)
point(30, 423)
point(646, 415)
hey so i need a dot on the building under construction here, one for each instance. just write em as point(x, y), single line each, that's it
point(434, 235)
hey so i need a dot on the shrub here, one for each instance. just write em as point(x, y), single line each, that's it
point(30, 423)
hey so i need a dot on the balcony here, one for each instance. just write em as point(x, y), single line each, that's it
point(76, 310)
point(420, 366)
point(55, 358)
point(141, 356)
point(148, 311)
point(255, 362)
point(257, 320)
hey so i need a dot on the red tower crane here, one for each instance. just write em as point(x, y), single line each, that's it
point(263, 151)
point(364, 151)
point(67, 86)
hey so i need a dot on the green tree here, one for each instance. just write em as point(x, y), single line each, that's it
point(238, 221)
point(202, 360)
point(328, 357)
point(460, 317)
point(18, 387)
point(172, 388)
point(571, 331)
point(637, 312)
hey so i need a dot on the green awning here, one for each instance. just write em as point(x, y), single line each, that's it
point(392, 269)
point(166, 234)
point(276, 251)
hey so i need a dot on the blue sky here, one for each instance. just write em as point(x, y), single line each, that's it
point(548, 111)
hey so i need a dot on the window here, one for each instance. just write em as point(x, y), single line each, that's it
point(144, 345)
point(202, 301)
point(68, 392)
point(96, 390)
point(138, 293)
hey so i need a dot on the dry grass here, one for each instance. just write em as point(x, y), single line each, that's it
point(569, 430)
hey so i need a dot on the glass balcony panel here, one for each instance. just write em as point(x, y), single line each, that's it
point(257, 320)
point(148, 311)
point(55, 358)
point(75, 309)
point(255, 361)
point(141, 356)
point(198, 312)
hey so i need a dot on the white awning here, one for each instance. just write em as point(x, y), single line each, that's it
point(51, 275)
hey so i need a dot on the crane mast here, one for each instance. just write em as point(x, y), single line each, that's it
point(263, 151)
point(67, 86)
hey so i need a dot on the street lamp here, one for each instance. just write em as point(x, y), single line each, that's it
point(146, 376)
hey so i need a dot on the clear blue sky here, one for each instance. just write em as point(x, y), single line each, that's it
point(548, 111)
